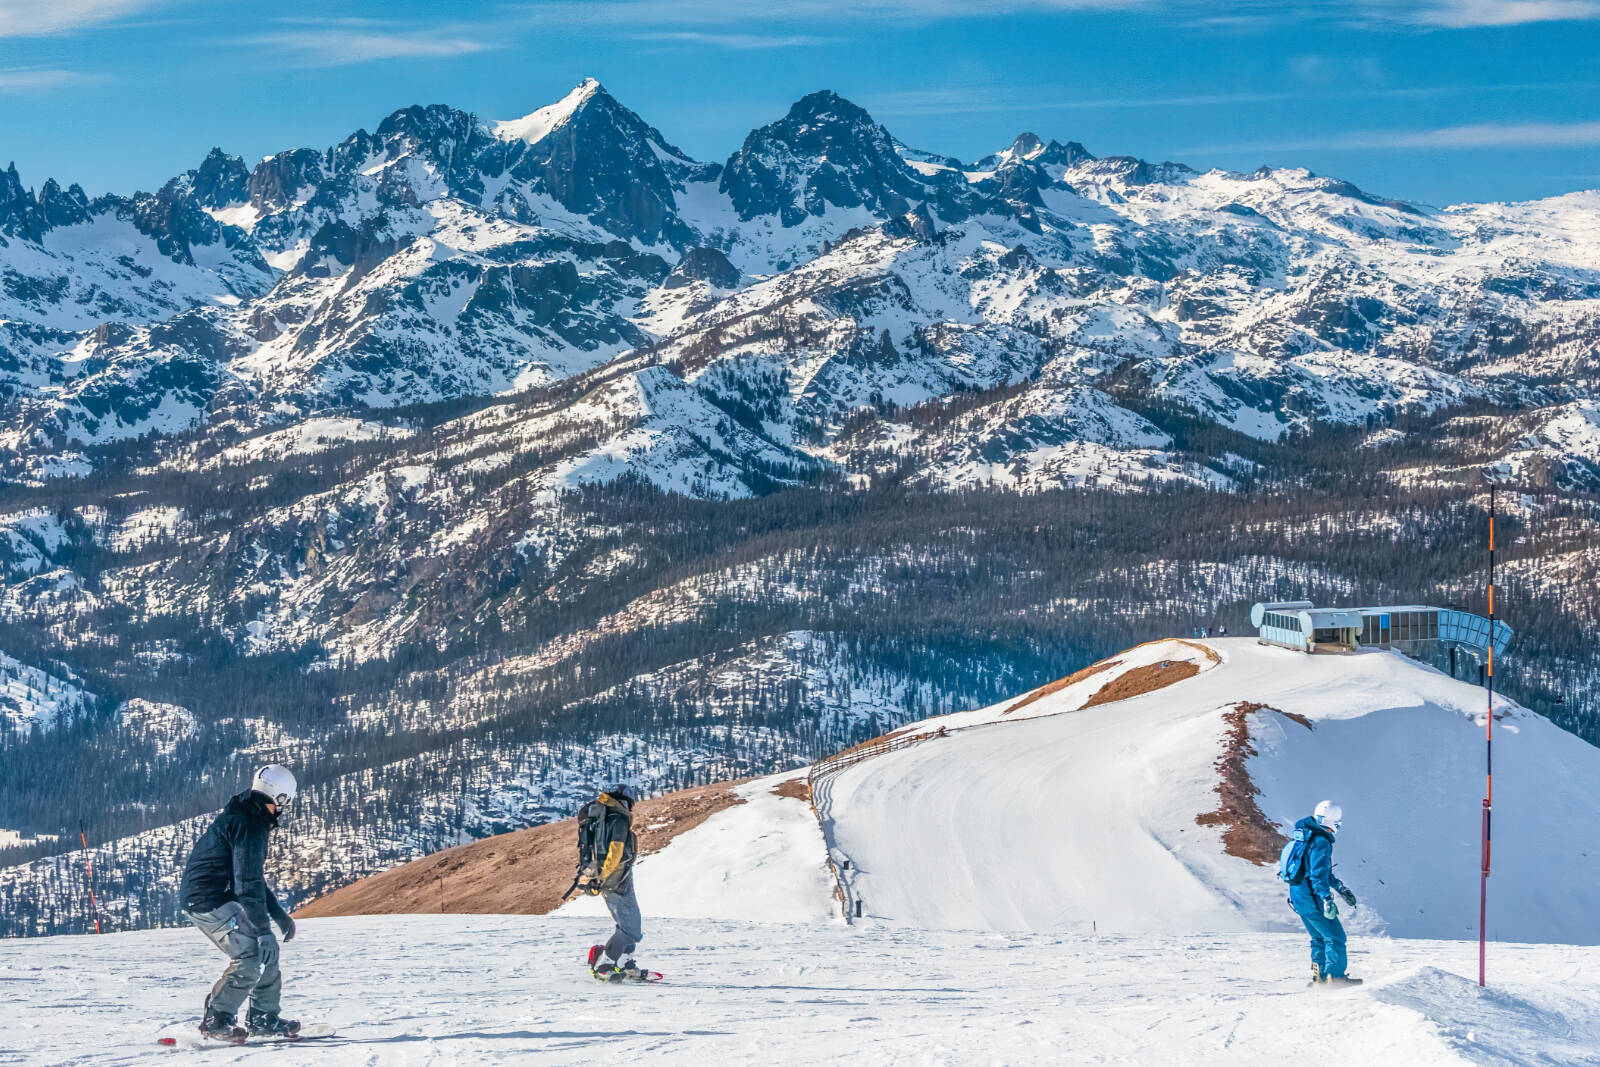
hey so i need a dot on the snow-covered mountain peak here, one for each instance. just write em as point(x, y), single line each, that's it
point(826, 153)
point(220, 181)
point(536, 125)
point(443, 256)
point(1029, 147)
point(1026, 146)
point(825, 109)
point(19, 210)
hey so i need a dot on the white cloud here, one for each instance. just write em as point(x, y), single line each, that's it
point(36, 17)
point(342, 43)
point(1480, 135)
point(980, 99)
point(37, 79)
point(27, 18)
point(736, 12)
point(740, 41)
point(1484, 135)
point(1463, 14)
point(1244, 14)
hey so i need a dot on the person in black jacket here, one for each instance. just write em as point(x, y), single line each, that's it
point(225, 894)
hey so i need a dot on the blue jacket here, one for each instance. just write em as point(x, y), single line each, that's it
point(1320, 882)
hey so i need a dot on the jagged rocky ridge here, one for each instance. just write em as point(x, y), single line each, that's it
point(823, 271)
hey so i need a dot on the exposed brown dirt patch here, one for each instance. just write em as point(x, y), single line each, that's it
point(794, 789)
point(522, 873)
point(1145, 682)
point(1209, 653)
point(1142, 680)
point(1247, 832)
point(1061, 683)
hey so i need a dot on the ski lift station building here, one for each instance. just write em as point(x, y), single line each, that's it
point(1301, 625)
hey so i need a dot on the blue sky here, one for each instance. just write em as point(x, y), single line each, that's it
point(1433, 100)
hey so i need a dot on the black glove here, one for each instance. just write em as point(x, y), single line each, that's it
point(287, 924)
point(1349, 897)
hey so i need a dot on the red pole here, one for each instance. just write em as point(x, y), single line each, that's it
point(88, 875)
point(1488, 755)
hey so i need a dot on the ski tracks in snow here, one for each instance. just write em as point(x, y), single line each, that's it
point(455, 989)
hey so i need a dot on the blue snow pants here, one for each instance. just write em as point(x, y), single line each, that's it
point(1327, 935)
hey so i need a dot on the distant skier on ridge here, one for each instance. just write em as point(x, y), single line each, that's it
point(607, 847)
point(1307, 865)
point(225, 894)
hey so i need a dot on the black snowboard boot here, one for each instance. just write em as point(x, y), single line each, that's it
point(270, 1024)
point(221, 1026)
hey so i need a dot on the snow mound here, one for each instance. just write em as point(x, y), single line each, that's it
point(760, 861)
point(1073, 811)
point(1496, 1026)
point(1143, 668)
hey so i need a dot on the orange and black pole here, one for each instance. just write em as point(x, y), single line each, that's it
point(88, 874)
point(1488, 755)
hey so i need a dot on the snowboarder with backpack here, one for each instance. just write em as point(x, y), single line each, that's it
point(1306, 864)
point(607, 847)
point(225, 894)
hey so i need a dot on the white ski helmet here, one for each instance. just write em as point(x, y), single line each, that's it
point(1330, 815)
point(275, 782)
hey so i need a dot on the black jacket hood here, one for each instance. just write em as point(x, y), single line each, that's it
point(252, 805)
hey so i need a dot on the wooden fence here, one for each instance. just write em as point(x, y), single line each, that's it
point(819, 784)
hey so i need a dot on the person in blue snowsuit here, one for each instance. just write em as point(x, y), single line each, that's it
point(1312, 896)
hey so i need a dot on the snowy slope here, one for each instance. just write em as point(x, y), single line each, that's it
point(760, 861)
point(31, 697)
point(1087, 819)
point(437, 990)
point(1018, 859)
point(1565, 440)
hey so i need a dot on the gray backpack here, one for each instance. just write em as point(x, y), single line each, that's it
point(606, 841)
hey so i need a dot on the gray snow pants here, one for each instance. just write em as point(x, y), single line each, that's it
point(624, 909)
point(252, 959)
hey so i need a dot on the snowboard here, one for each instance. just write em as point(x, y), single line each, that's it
point(309, 1032)
point(616, 977)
